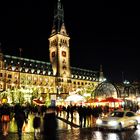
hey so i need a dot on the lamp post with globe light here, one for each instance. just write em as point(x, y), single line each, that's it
point(126, 84)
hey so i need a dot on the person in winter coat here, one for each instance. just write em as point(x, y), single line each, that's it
point(36, 125)
point(20, 118)
point(50, 124)
point(5, 118)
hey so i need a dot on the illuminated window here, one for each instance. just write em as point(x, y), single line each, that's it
point(44, 72)
point(26, 69)
point(35, 78)
point(29, 78)
point(32, 70)
point(49, 73)
point(38, 71)
point(9, 76)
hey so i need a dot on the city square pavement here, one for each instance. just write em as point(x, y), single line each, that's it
point(28, 131)
point(68, 130)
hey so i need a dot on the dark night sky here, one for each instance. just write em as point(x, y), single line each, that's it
point(101, 32)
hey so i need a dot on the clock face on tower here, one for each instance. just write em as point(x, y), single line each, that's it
point(63, 53)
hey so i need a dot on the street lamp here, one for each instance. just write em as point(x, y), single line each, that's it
point(126, 90)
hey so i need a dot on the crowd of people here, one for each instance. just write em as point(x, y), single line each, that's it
point(20, 115)
point(85, 112)
point(90, 113)
point(48, 117)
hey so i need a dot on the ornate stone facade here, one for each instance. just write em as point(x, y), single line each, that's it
point(56, 77)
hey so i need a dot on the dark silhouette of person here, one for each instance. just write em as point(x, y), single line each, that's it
point(36, 125)
point(80, 111)
point(84, 115)
point(5, 118)
point(50, 124)
point(72, 108)
point(20, 118)
point(68, 111)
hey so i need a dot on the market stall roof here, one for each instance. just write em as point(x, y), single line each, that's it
point(75, 98)
point(92, 100)
point(111, 99)
point(38, 102)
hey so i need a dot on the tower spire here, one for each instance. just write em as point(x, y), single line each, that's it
point(58, 20)
point(101, 75)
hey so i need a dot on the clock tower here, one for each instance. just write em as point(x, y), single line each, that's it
point(1, 59)
point(59, 49)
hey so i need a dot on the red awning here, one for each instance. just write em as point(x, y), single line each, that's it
point(38, 102)
point(111, 99)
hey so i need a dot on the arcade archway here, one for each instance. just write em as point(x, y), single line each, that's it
point(106, 89)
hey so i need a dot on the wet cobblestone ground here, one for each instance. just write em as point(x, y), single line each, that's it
point(81, 134)
point(69, 131)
